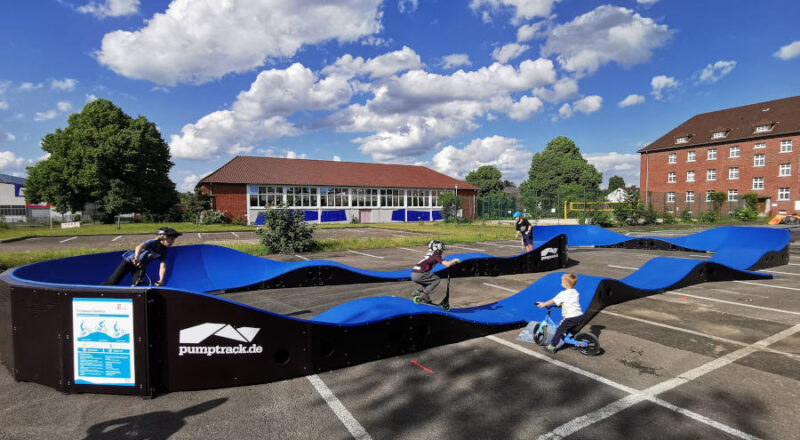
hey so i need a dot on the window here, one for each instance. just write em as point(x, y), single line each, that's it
point(783, 194)
point(13, 210)
point(690, 156)
point(759, 160)
point(392, 197)
point(733, 173)
point(718, 135)
point(760, 146)
point(712, 154)
point(690, 176)
point(673, 158)
point(734, 151)
point(733, 195)
point(266, 196)
point(329, 197)
point(786, 146)
point(689, 196)
point(784, 170)
point(711, 175)
point(417, 197)
point(763, 128)
point(758, 183)
point(364, 197)
point(301, 196)
point(671, 177)
point(708, 195)
point(682, 140)
point(435, 197)
point(670, 197)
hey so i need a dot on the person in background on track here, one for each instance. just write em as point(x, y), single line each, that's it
point(524, 227)
point(569, 301)
point(421, 273)
point(135, 262)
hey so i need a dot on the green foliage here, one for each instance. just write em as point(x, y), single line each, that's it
point(285, 231)
point(496, 205)
point(450, 204)
point(686, 216)
point(745, 214)
point(649, 216)
point(667, 218)
point(212, 217)
point(561, 173)
point(717, 200)
point(194, 203)
point(615, 182)
point(629, 212)
point(708, 216)
point(600, 218)
point(106, 157)
point(751, 201)
point(487, 178)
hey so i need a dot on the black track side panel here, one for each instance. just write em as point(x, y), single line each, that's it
point(6, 327)
point(649, 244)
point(547, 257)
point(772, 259)
point(610, 292)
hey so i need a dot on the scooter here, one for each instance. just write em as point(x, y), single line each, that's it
point(585, 343)
point(444, 304)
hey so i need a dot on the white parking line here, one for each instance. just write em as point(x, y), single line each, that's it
point(635, 396)
point(118, 237)
point(623, 267)
point(407, 249)
point(362, 253)
point(499, 287)
point(71, 238)
point(782, 273)
point(300, 256)
point(767, 285)
point(199, 236)
point(699, 256)
point(350, 422)
point(235, 234)
point(469, 249)
point(680, 293)
point(499, 245)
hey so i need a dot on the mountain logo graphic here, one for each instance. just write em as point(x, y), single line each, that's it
point(199, 333)
point(549, 253)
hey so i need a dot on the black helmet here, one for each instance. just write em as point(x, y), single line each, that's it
point(436, 245)
point(169, 232)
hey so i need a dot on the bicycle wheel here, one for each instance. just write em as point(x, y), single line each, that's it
point(592, 347)
point(538, 334)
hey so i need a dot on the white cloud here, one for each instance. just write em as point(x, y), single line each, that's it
point(6, 136)
point(524, 108)
point(29, 86)
point(509, 52)
point(455, 60)
point(505, 154)
point(272, 152)
point(407, 5)
point(714, 72)
point(589, 104)
point(4, 85)
point(188, 183)
point(91, 97)
point(10, 162)
point(528, 32)
point(45, 116)
point(604, 35)
point(624, 165)
point(337, 158)
point(647, 2)
point(523, 9)
point(3, 105)
point(64, 106)
point(65, 84)
point(197, 41)
point(111, 8)
point(565, 112)
point(661, 83)
point(789, 51)
point(378, 67)
point(631, 100)
point(564, 88)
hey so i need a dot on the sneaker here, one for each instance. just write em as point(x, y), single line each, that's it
point(550, 348)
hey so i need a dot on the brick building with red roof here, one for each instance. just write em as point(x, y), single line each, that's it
point(740, 150)
point(330, 191)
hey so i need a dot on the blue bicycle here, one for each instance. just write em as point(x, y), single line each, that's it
point(585, 343)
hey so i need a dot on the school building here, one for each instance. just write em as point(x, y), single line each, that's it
point(330, 191)
point(740, 150)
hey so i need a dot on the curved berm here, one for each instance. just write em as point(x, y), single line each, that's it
point(80, 337)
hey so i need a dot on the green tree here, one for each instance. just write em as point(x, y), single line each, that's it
point(285, 231)
point(488, 179)
point(194, 202)
point(106, 157)
point(450, 205)
point(615, 182)
point(561, 173)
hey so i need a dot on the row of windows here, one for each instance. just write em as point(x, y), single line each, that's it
point(724, 133)
point(733, 195)
point(784, 170)
point(733, 174)
point(13, 210)
point(305, 196)
point(733, 152)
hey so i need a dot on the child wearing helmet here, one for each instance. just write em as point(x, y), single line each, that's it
point(135, 262)
point(524, 227)
point(421, 272)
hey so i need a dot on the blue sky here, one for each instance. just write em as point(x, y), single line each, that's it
point(445, 84)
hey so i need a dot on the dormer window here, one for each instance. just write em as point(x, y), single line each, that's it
point(682, 140)
point(763, 128)
point(719, 134)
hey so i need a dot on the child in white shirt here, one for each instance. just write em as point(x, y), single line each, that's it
point(569, 301)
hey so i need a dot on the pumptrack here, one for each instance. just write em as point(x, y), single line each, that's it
point(191, 337)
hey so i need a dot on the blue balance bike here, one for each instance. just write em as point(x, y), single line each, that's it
point(585, 343)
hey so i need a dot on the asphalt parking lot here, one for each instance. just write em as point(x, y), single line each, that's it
point(715, 360)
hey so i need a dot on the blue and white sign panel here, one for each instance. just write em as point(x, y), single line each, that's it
point(102, 331)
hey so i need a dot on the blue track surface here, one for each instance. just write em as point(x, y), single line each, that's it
point(204, 268)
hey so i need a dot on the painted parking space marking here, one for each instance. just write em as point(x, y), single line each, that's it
point(499, 287)
point(71, 238)
point(467, 248)
point(623, 267)
point(199, 236)
point(782, 273)
point(118, 237)
point(235, 234)
point(771, 286)
point(347, 419)
point(635, 396)
point(407, 249)
point(362, 253)
point(680, 293)
point(301, 257)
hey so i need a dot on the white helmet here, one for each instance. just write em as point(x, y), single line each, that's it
point(436, 245)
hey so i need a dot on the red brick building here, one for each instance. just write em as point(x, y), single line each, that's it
point(749, 149)
point(330, 191)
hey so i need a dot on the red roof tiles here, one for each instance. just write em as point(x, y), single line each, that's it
point(783, 115)
point(301, 172)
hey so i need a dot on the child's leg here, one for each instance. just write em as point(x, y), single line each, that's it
point(431, 282)
point(122, 270)
point(137, 276)
point(565, 325)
